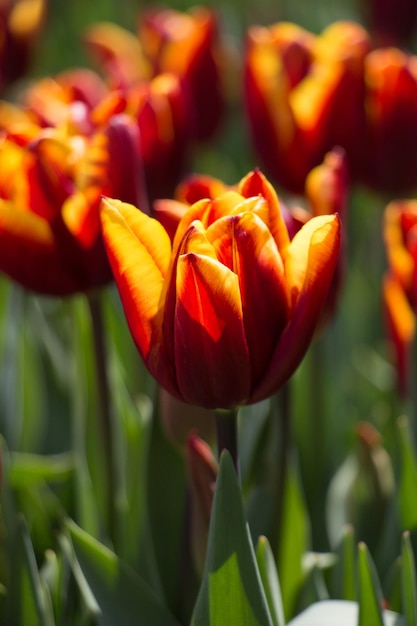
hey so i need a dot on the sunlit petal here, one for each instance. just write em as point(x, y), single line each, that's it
point(139, 251)
point(323, 243)
point(209, 315)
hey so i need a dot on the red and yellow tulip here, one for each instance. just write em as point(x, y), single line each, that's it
point(306, 94)
point(74, 142)
point(224, 314)
point(168, 41)
point(399, 284)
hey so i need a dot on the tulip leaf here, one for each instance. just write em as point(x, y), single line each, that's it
point(28, 599)
point(22, 384)
point(370, 596)
point(27, 469)
point(134, 543)
point(293, 541)
point(231, 592)
point(409, 581)
point(408, 480)
point(166, 491)
point(338, 613)
point(344, 577)
point(269, 576)
point(86, 490)
point(118, 594)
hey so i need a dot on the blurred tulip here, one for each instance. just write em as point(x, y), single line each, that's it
point(50, 239)
point(168, 41)
point(392, 22)
point(298, 89)
point(225, 314)
point(20, 24)
point(306, 94)
point(202, 470)
point(73, 142)
point(391, 103)
point(399, 285)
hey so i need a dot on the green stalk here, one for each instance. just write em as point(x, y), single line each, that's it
point(226, 434)
point(105, 417)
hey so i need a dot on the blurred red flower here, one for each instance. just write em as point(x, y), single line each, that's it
point(306, 94)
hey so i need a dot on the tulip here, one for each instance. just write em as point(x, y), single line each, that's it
point(306, 94)
point(202, 470)
point(224, 315)
point(298, 88)
point(399, 284)
point(391, 102)
point(50, 239)
point(168, 41)
point(72, 142)
point(20, 24)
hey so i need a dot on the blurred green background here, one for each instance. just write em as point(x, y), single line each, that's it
point(46, 371)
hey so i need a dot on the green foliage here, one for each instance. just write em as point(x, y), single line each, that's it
point(121, 596)
point(231, 592)
point(340, 544)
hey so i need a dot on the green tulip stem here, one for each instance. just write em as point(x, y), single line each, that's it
point(226, 432)
point(105, 417)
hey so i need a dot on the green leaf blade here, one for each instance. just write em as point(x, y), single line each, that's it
point(370, 612)
point(119, 593)
point(408, 581)
point(231, 593)
point(269, 576)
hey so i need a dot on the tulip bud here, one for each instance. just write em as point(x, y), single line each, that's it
point(202, 471)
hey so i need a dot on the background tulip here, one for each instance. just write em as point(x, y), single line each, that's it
point(74, 141)
point(306, 94)
point(399, 285)
point(298, 88)
point(186, 44)
point(232, 288)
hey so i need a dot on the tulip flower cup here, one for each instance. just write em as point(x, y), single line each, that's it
point(223, 315)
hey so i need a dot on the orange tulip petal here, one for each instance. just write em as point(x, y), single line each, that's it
point(139, 251)
point(401, 326)
point(320, 262)
point(211, 354)
point(400, 259)
point(194, 240)
point(297, 262)
point(255, 184)
point(245, 245)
